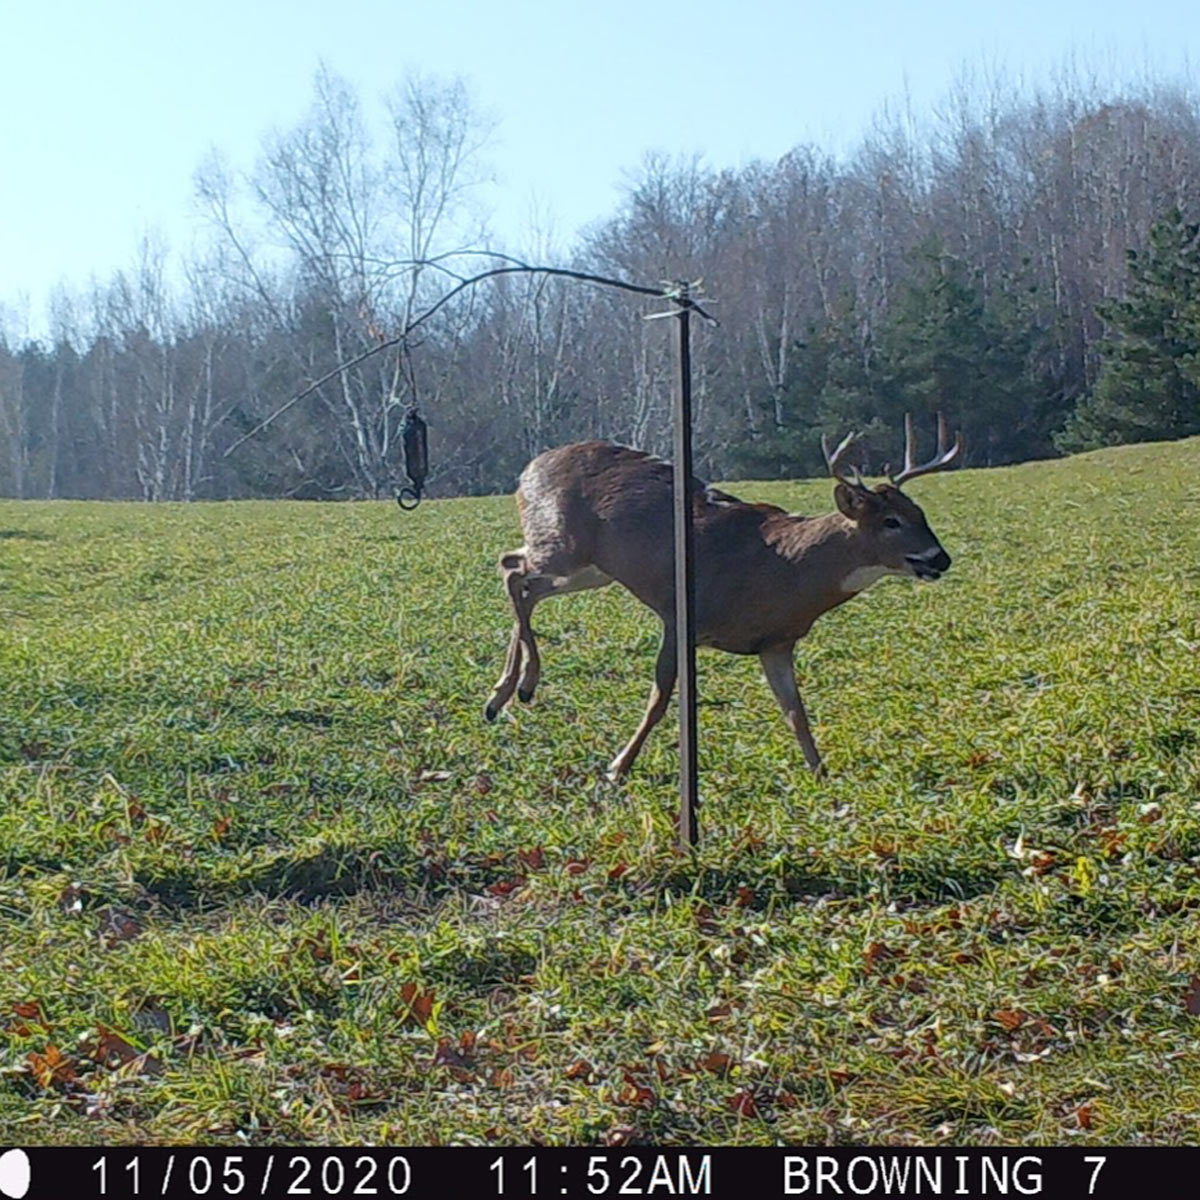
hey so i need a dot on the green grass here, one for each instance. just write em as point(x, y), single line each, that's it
point(266, 873)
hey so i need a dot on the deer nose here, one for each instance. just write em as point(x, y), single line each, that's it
point(929, 564)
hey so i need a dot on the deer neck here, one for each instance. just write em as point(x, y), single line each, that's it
point(832, 558)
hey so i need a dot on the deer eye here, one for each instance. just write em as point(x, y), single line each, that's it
point(891, 522)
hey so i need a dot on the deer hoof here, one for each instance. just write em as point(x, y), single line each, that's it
point(489, 711)
point(525, 695)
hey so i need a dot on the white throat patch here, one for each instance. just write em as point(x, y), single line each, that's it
point(862, 578)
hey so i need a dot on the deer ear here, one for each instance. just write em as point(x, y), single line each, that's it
point(853, 502)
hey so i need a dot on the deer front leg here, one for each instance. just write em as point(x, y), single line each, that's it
point(660, 695)
point(780, 671)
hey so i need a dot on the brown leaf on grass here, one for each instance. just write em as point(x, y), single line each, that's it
point(1192, 998)
point(503, 1078)
point(113, 1051)
point(418, 1005)
point(1011, 1018)
point(221, 826)
point(745, 896)
point(581, 1069)
point(505, 887)
point(27, 1014)
point(706, 919)
point(433, 776)
point(742, 1103)
point(619, 1135)
point(70, 899)
point(1083, 1116)
point(878, 952)
point(716, 1062)
point(117, 926)
point(577, 866)
point(618, 870)
point(718, 1012)
point(483, 784)
point(635, 1094)
point(53, 1069)
point(532, 860)
point(1041, 861)
point(457, 1059)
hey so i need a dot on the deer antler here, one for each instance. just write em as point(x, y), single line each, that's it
point(939, 462)
point(838, 467)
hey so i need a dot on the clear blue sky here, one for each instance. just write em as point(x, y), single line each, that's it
point(108, 106)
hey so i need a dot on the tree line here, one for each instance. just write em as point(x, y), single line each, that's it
point(1024, 262)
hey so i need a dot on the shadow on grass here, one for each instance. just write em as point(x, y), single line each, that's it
point(308, 876)
point(914, 881)
point(24, 535)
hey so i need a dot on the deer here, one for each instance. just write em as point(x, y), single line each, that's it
point(595, 513)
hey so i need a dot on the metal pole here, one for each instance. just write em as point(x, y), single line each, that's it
point(685, 586)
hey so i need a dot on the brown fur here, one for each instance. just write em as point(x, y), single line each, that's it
point(596, 512)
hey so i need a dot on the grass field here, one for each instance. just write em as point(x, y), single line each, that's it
point(266, 874)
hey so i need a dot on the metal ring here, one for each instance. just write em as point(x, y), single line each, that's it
point(411, 495)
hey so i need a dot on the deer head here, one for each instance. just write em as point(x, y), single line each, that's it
point(889, 528)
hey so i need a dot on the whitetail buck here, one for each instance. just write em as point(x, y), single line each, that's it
point(596, 512)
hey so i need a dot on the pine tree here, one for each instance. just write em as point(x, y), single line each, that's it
point(947, 348)
point(1149, 385)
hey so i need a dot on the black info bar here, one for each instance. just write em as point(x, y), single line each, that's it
point(268, 1172)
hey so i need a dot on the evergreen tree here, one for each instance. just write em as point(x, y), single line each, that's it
point(1149, 385)
point(945, 348)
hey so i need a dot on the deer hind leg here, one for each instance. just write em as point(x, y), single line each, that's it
point(660, 695)
point(539, 588)
point(514, 569)
point(780, 671)
point(527, 588)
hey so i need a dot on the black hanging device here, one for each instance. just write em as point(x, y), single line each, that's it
point(414, 435)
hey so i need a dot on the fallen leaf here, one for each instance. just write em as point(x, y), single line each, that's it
point(618, 870)
point(716, 1062)
point(504, 887)
point(52, 1069)
point(418, 1004)
point(1010, 1018)
point(532, 860)
point(433, 776)
point(27, 1012)
point(636, 1094)
point(742, 1103)
point(581, 1069)
point(1192, 1000)
point(117, 926)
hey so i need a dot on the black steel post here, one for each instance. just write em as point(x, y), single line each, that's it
point(685, 586)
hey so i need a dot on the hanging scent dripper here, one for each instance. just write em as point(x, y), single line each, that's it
point(416, 458)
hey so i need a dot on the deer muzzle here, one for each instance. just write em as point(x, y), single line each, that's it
point(929, 565)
